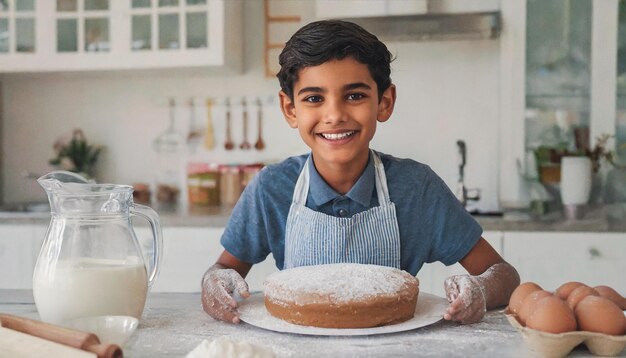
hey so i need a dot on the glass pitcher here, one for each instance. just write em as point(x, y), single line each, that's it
point(91, 262)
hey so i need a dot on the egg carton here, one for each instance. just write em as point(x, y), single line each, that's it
point(555, 345)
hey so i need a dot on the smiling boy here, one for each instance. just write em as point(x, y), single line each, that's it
point(344, 202)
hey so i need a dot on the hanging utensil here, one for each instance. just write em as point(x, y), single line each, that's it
point(228, 144)
point(260, 145)
point(245, 145)
point(194, 136)
point(209, 140)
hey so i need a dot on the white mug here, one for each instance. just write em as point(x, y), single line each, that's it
point(575, 180)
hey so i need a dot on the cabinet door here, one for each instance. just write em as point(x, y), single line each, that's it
point(188, 253)
point(558, 87)
point(70, 35)
point(433, 275)
point(551, 259)
point(16, 257)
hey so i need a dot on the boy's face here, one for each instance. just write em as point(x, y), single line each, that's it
point(336, 108)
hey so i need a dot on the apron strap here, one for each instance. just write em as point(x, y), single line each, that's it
point(381, 180)
point(301, 189)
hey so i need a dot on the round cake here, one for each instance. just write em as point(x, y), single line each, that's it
point(342, 295)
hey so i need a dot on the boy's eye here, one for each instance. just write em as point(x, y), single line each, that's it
point(356, 96)
point(313, 99)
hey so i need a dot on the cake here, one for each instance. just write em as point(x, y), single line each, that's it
point(341, 295)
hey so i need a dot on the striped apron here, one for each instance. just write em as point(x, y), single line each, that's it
point(369, 237)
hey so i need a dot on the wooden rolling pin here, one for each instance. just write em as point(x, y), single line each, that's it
point(82, 340)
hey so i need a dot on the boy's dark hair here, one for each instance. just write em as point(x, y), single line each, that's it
point(322, 41)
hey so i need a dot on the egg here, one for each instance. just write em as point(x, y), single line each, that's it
point(518, 295)
point(599, 314)
point(578, 294)
point(551, 314)
point(528, 304)
point(611, 294)
point(565, 289)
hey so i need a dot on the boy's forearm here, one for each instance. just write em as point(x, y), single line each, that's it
point(498, 282)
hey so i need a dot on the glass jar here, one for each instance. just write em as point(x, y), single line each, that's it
point(230, 184)
point(203, 184)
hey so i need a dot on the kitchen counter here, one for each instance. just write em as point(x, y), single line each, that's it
point(174, 323)
point(595, 220)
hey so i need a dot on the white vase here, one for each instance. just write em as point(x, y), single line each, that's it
point(575, 180)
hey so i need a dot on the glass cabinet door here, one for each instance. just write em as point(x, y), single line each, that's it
point(558, 82)
point(558, 70)
point(17, 26)
point(83, 26)
point(169, 24)
point(620, 121)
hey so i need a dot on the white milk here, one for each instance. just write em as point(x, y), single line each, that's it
point(90, 287)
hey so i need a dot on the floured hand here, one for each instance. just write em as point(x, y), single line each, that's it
point(471, 296)
point(218, 286)
point(467, 299)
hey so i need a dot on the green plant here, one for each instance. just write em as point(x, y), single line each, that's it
point(600, 152)
point(75, 154)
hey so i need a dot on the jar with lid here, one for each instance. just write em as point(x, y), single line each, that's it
point(248, 172)
point(203, 184)
point(230, 184)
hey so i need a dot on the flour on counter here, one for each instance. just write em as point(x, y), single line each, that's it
point(223, 347)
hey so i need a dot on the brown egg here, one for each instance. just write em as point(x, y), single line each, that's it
point(551, 314)
point(565, 289)
point(518, 295)
point(611, 294)
point(528, 305)
point(599, 314)
point(578, 294)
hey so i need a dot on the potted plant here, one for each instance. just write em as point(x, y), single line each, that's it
point(75, 154)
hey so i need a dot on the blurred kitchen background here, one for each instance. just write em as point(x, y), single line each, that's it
point(179, 99)
point(479, 72)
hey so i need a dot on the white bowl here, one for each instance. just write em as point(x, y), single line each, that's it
point(109, 329)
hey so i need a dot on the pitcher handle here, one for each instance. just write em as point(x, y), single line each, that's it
point(157, 236)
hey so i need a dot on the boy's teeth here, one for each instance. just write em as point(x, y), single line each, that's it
point(337, 136)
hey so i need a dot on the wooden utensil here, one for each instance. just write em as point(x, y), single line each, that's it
point(228, 144)
point(209, 140)
point(245, 145)
point(260, 145)
point(18, 344)
point(82, 340)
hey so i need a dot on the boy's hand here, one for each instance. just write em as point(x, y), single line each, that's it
point(218, 285)
point(467, 299)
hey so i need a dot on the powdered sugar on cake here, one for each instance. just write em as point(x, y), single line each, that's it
point(330, 281)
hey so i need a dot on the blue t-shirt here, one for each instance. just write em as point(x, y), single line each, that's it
point(433, 224)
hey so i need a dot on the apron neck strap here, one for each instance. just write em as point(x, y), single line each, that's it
point(301, 190)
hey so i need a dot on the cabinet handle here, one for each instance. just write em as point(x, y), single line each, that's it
point(594, 253)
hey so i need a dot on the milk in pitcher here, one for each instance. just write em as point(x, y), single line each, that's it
point(87, 287)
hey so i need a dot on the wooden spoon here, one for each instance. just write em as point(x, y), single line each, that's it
point(245, 145)
point(260, 145)
point(228, 144)
point(209, 141)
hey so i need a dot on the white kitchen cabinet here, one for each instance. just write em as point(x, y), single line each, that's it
point(433, 275)
point(19, 248)
point(188, 252)
point(325, 9)
point(559, 71)
point(76, 35)
point(553, 258)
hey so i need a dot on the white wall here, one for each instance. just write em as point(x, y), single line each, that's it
point(446, 91)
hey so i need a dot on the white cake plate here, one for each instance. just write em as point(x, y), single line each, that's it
point(429, 310)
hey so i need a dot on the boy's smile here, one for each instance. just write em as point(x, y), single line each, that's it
point(336, 109)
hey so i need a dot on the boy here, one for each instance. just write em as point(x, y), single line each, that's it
point(345, 202)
